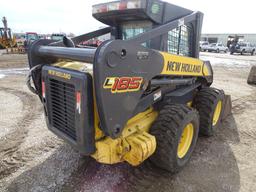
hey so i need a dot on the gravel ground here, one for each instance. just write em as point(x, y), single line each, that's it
point(12, 60)
point(33, 159)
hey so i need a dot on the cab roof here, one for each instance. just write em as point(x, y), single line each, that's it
point(159, 12)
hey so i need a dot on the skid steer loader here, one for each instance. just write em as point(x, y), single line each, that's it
point(142, 94)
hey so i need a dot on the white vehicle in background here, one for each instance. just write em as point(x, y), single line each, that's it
point(242, 47)
point(204, 45)
point(217, 47)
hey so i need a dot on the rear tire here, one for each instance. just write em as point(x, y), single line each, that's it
point(168, 129)
point(252, 53)
point(209, 102)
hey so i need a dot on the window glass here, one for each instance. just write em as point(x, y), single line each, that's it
point(57, 37)
point(180, 41)
point(134, 28)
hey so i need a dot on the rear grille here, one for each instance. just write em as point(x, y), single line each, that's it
point(63, 106)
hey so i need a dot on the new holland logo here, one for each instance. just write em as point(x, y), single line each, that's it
point(180, 65)
point(59, 74)
point(123, 84)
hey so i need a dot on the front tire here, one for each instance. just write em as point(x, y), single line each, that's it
point(209, 102)
point(176, 131)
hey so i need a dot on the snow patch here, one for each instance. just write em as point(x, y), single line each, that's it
point(2, 76)
point(14, 71)
point(231, 62)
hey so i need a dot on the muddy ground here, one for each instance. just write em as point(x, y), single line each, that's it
point(33, 159)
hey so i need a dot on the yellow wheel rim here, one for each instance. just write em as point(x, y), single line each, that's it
point(216, 114)
point(185, 140)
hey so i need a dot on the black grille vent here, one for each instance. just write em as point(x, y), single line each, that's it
point(63, 105)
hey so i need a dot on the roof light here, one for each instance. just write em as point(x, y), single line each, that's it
point(99, 9)
point(122, 5)
point(104, 9)
point(114, 6)
point(133, 4)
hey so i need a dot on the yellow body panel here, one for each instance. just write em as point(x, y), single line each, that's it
point(183, 66)
point(140, 123)
point(142, 145)
point(134, 145)
point(75, 65)
point(108, 151)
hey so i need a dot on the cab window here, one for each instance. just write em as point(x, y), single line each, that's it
point(134, 28)
point(180, 41)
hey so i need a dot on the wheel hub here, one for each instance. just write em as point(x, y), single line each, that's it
point(216, 114)
point(185, 140)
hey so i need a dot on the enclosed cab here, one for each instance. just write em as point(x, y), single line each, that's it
point(31, 36)
point(131, 18)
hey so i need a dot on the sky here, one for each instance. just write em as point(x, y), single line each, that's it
point(53, 16)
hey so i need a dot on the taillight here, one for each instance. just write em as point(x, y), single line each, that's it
point(78, 102)
point(43, 89)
